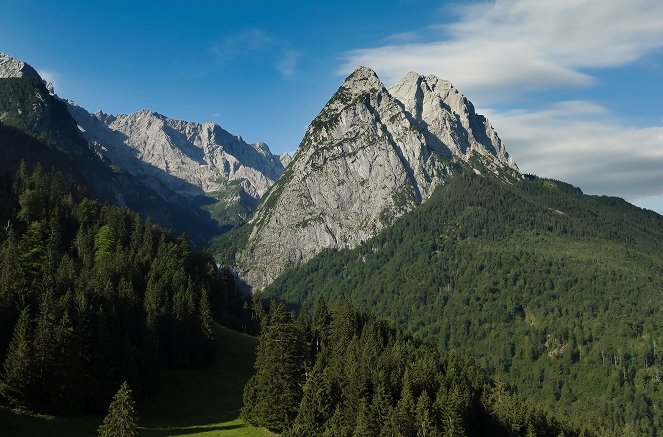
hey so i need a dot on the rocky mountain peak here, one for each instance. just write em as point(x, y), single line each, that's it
point(12, 67)
point(362, 79)
point(370, 156)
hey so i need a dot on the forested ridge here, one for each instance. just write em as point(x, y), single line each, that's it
point(546, 288)
point(344, 372)
point(91, 295)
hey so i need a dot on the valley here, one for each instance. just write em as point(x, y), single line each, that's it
point(398, 274)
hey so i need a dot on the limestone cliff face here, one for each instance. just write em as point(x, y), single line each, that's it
point(188, 158)
point(370, 156)
point(201, 155)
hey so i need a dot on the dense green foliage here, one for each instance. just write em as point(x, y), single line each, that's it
point(345, 372)
point(552, 290)
point(91, 296)
point(121, 417)
point(202, 402)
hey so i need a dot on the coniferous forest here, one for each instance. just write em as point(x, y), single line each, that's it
point(91, 296)
point(344, 372)
point(546, 288)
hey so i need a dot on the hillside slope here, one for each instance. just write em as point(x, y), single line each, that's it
point(36, 127)
point(556, 291)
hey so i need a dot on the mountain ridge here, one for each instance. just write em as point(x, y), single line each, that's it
point(363, 162)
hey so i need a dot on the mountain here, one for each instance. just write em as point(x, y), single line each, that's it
point(11, 67)
point(190, 177)
point(36, 127)
point(555, 292)
point(201, 161)
point(370, 156)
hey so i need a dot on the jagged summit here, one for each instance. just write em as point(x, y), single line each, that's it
point(363, 79)
point(370, 156)
point(188, 157)
point(12, 67)
point(448, 119)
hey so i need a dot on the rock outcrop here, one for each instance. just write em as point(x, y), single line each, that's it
point(370, 156)
point(11, 67)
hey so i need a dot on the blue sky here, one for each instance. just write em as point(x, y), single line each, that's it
point(573, 87)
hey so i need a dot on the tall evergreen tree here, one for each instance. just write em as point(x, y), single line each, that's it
point(121, 418)
point(273, 395)
point(18, 367)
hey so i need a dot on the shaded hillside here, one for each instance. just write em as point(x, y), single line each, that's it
point(90, 296)
point(199, 402)
point(555, 290)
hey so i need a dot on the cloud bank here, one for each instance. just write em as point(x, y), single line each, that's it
point(584, 144)
point(517, 45)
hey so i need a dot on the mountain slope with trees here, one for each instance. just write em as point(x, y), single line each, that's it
point(554, 291)
point(90, 296)
point(343, 372)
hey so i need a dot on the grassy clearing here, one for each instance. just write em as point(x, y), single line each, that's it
point(202, 402)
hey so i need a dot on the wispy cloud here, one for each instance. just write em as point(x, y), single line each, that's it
point(245, 41)
point(49, 76)
point(517, 45)
point(287, 65)
point(252, 41)
point(585, 144)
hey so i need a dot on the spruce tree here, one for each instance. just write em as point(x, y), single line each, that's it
point(120, 420)
point(18, 367)
point(425, 425)
point(273, 395)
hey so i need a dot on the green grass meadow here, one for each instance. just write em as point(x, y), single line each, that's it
point(203, 402)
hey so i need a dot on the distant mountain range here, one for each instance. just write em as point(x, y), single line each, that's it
point(195, 178)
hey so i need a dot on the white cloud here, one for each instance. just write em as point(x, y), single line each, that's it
point(585, 144)
point(498, 47)
point(250, 41)
point(288, 63)
point(245, 41)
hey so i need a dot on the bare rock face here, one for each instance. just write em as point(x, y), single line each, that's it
point(189, 158)
point(11, 67)
point(370, 156)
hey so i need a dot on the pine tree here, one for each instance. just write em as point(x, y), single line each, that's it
point(273, 395)
point(317, 405)
point(120, 420)
point(380, 407)
point(336, 426)
point(362, 423)
point(425, 424)
point(405, 409)
point(18, 367)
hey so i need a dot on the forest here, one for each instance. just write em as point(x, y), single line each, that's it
point(91, 296)
point(548, 289)
point(341, 371)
